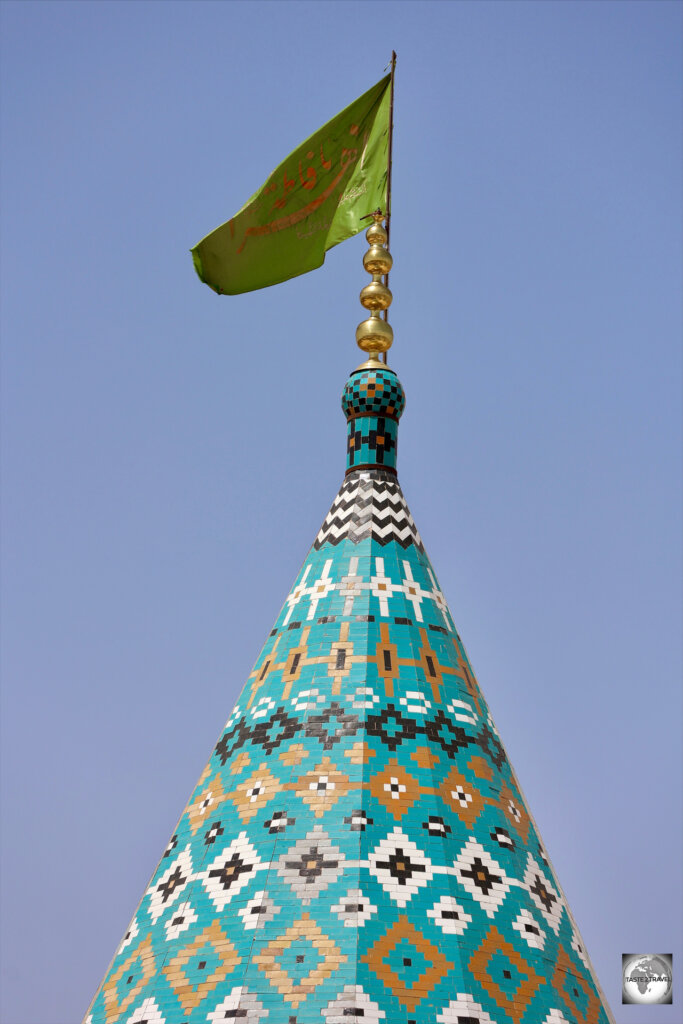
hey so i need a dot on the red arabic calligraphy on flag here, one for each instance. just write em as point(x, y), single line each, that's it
point(312, 201)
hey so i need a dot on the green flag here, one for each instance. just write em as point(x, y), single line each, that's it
point(312, 201)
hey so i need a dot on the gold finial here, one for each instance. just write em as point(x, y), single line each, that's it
point(375, 335)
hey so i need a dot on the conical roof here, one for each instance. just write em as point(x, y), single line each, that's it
point(358, 848)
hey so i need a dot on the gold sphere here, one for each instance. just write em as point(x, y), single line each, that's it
point(374, 335)
point(377, 260)
point(376, 234)
point(376, 296)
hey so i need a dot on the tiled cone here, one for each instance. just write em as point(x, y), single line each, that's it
point(357, 849)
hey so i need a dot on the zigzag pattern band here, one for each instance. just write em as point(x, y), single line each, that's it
point(370, 503)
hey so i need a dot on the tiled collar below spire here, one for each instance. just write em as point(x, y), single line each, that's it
point(373, 401)
point(370, 504)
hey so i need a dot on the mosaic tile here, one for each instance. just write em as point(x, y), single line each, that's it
point(259, 911)
point(353, 1006)
point(530, 930)
point(296, 974)
point(354, 909)
point(419, 965)
point(146, 1013)
point(464, 1010)
point(357, 847)
point(449, 916)
point(238, 1004)
point(311, 865)
point(400, 867)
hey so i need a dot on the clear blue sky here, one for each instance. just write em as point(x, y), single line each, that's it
point(168, 455)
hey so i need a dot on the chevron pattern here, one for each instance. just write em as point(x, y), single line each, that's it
point(370, 503)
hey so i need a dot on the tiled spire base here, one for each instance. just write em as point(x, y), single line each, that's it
point(357, 849)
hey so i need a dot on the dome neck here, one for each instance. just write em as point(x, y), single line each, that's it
point(373, 401)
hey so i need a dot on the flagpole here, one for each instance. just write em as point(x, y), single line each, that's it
point(389, 161)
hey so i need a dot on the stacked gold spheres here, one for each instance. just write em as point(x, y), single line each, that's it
point(375, 335)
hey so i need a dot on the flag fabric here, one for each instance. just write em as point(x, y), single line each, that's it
point(312, 201)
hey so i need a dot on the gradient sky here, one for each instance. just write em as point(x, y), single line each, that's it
point(168, 455)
